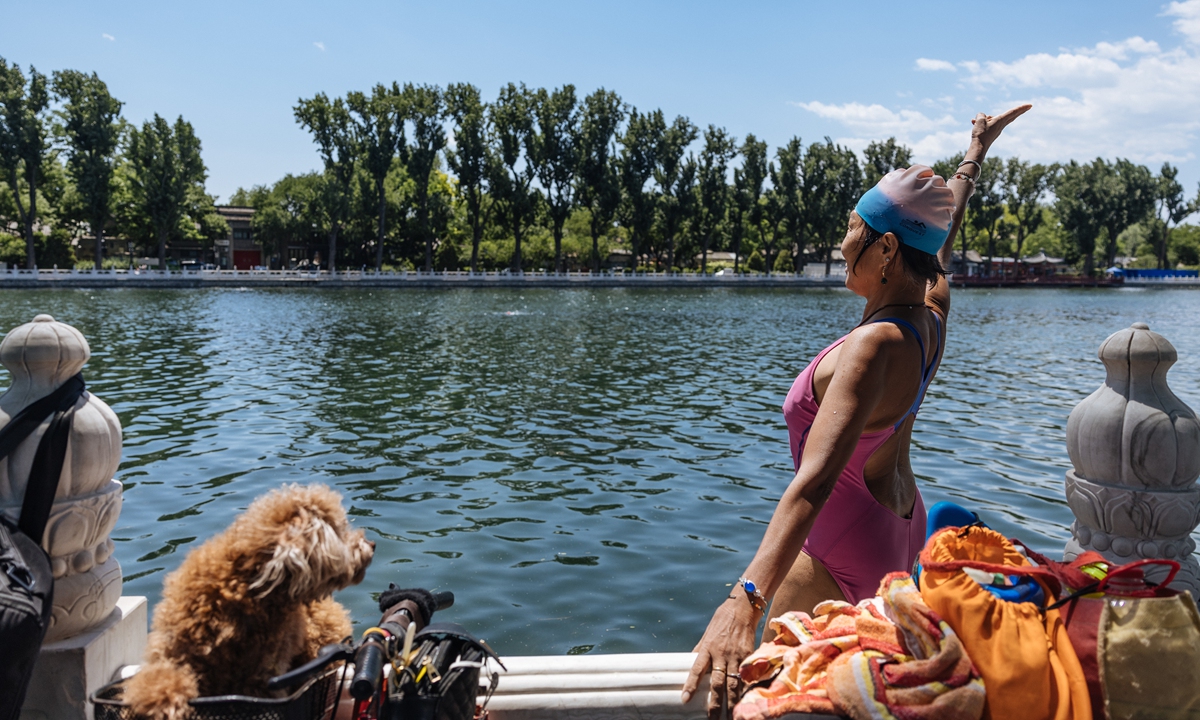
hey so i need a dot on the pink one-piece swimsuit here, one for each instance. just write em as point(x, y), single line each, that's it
point(857, 539)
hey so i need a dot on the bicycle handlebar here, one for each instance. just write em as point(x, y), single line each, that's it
point(368, 659)
point(368, 667)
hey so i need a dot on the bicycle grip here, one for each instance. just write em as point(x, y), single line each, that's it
point(443, 600)
point(368, 664)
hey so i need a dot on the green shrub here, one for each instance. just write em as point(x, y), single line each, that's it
point(784, 263)
point(755, 262)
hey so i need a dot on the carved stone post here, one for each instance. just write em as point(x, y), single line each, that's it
point(1135, 448)
point(41, 356)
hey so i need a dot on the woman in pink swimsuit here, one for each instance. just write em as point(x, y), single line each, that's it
point(853, 513)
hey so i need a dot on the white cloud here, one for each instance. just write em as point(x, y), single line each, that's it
point(320, 46)
point(931, 65)
point(877, 119)
point(1121, 50)
point(1188, 23)
point(1128, 99)
point(108, 37)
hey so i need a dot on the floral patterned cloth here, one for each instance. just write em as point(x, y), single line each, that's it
point(888, 657)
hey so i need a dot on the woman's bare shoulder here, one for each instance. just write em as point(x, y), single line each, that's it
point(875, 338)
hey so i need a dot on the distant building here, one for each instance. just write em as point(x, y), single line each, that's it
point(237, 251)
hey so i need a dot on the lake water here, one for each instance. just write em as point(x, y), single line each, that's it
point(587, 470)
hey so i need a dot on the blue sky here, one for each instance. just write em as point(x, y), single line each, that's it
point(1112, 79)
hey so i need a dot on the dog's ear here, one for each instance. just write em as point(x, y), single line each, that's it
point(311, 559)
point(295, 562)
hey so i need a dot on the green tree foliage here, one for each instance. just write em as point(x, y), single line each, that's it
point(880, 158)
point(23, 142)
point(166, 179)
point(378, 125)
point(1080, 190)
point(785, 210)
point(288, 213)
point(676, 178)
point(712, 187)
point(511, 180)
point(91, 126)
point(1133, 203)
point(1171, 208)
point(331, 128)
point(470, 158)
point(1025, 184)
point(1101, 196)
point(747, 208)
point(599, 179)
point(1185, 245)
point(555, 155)
point(832, 186)
point(636, 167)
point(426, 111)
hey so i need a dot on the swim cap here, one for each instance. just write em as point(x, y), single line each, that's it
point(912, 203)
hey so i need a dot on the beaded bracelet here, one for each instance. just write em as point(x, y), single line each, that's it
point(757, 600)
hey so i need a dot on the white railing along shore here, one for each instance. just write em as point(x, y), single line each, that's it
point(401, 276)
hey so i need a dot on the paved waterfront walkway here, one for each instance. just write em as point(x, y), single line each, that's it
point(292, 278)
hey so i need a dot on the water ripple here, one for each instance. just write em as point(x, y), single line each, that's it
point(588, 470)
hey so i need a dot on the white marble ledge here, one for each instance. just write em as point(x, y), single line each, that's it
point(646, 686)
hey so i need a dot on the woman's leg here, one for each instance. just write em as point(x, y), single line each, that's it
point(806, 584)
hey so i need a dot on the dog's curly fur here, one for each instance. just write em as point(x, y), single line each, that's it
point(252, 602)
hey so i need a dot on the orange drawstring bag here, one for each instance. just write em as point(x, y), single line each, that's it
point(1028, 666)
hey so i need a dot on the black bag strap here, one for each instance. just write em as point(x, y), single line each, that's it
point(34, 414)
point(48, 462)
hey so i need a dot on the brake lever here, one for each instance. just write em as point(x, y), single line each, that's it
point(327, 655)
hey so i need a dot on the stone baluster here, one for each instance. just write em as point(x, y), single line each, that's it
point(1135, 448)
point(40, 356)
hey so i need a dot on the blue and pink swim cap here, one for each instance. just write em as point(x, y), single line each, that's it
point(912, 203)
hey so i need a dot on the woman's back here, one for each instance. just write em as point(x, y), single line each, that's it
point(873, 521)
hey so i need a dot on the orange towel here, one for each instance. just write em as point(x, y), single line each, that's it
point(887, 657)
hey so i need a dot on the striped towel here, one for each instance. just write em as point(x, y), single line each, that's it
point(888, 657)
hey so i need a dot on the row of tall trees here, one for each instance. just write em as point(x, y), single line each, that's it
point(541, 157)
point(418, 175)
point(70, 166)
point(668, 191)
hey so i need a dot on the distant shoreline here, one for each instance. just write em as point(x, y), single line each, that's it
point(43, 279)
point(398, 280)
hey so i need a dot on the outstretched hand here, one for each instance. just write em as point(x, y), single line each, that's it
point(728, 640)
point(986, 128)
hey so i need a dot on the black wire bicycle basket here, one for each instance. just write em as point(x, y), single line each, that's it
point(314, 700)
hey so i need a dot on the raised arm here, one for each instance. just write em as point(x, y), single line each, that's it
point(984, 131)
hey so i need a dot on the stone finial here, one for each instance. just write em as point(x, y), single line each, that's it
point(1135, 448)
point(40, 356)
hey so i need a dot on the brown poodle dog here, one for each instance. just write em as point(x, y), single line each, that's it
point(252, 602)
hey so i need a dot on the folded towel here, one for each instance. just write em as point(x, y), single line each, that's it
point(890, 656)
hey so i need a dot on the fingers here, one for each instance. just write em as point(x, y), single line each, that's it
point(1005, 118)
point(699, 667)
point(733, 687)
point(1014, 113)
point(716, 698)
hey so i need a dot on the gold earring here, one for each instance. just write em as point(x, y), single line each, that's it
point(883, 273)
